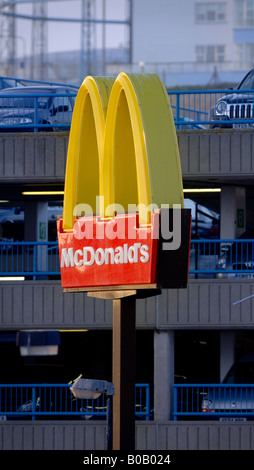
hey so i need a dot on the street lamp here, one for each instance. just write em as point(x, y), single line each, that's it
point(38, 343)
point(92, 389)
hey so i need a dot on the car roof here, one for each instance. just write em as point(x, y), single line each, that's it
point(35, 89)
point(248, 357)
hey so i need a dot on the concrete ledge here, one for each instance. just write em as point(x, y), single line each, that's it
point(91, 435)
point(33, 157)
point(206, 303)
point(224, 154)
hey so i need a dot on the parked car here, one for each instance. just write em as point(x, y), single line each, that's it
point(12, 223)
point(36, 107)
point(237, 259)
point(187, 123)
point(204, 221)
point(236, 106)
point(235, 401)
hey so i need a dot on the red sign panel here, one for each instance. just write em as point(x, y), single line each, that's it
point(108, 252)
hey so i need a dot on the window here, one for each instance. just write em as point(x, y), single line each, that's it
point(244, 55)
point(220, 53)
point(211, 12)
point(210, 53)
point(244, 13)
point(62, 103)
point(200, 54)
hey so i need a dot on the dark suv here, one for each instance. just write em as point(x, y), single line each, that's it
point(237, 106)
point(36, 108)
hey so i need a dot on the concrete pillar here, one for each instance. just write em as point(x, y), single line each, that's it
point(163, 374)
point(233, 212)
point(36, 230)
point(36, 221)
point(42, 222)
point(227, 352)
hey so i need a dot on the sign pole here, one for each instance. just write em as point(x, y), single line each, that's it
point(123, 365)
point(124, 372)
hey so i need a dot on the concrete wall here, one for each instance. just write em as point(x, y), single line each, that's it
point(206, 303)
point(168, 435)
point(33, 157)
point(225, 154)
point(39, 157)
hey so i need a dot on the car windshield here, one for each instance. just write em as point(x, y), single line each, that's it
point(24, 101)
point(241, 373)
point(248, 82)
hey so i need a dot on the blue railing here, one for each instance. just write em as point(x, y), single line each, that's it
point(23, 401)
point(7, 82)
point(208, 258)
point(192, 109)
point(196, 109)
point(222, 258)
point(213, 401)
point(29, 259)
point(27, 112)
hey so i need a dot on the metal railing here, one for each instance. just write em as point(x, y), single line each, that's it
point(7, 82)
point(193, 109)
point(34, 259)
point(213, 401)
point(196, 109)
point(222, 258)
point(35, 112)
point(33, 401)
point(208, 258)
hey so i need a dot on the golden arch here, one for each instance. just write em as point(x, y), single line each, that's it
point(122, 146)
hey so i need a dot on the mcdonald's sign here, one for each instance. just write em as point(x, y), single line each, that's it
point(124, 221)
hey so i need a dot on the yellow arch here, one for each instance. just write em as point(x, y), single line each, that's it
point(158, 169)
point(85, 149)
point(132, 157)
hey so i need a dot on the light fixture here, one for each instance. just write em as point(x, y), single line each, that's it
point(74, 331)
point(42, 193)
point(12, 278)
point(38, 342)
point(202, 190)
point(91, 389)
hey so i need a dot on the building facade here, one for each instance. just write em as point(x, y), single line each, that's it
point(193, 42)
point(193, 334)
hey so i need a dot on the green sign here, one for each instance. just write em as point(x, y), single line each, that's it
point(43, 231)
point(240, 218)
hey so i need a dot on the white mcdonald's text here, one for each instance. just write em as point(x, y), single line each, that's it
point(119, 255)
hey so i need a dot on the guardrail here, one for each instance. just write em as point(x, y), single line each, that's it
point(36, 112)
point(196, 109)
point(7, 82)
point(214, 401)
point(229, 258)
point(34, 259)
point(192, 109)
point(33, 401)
